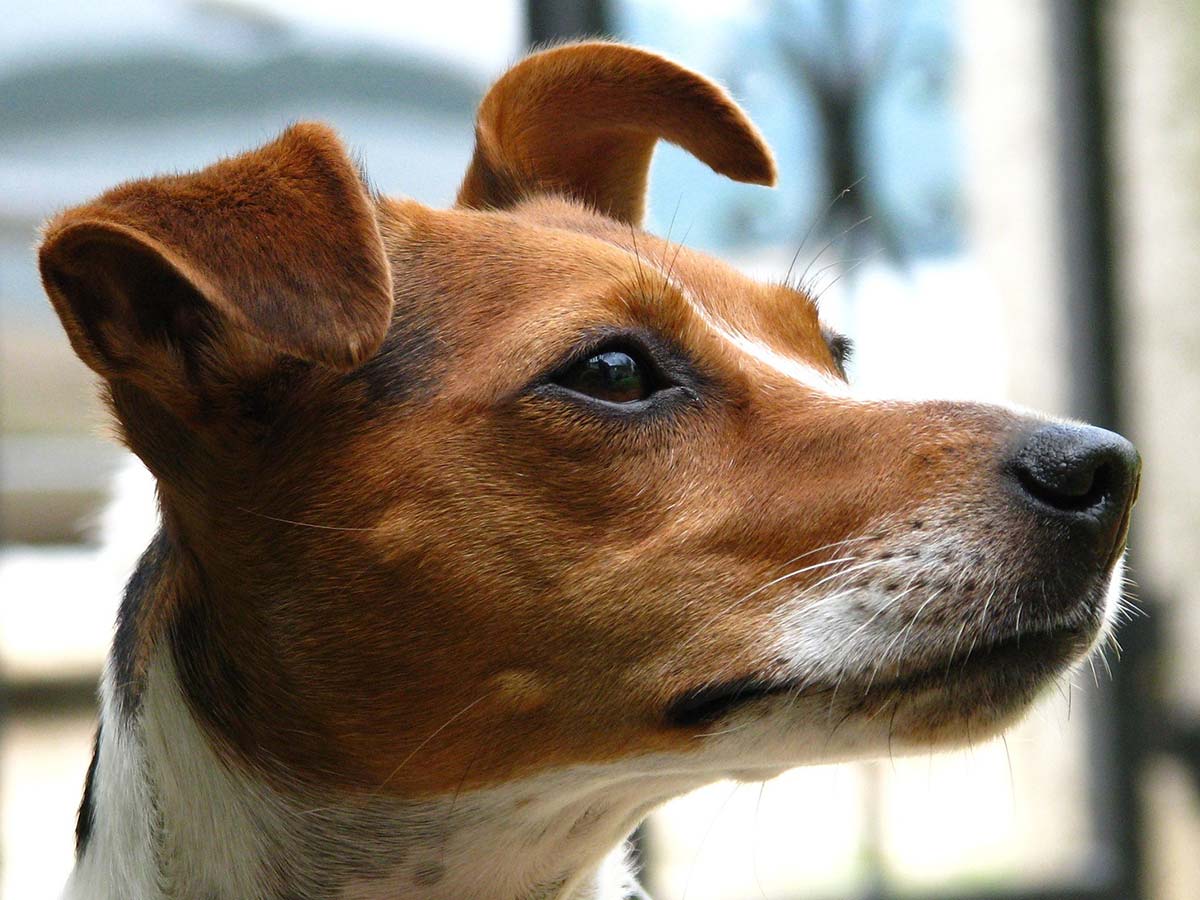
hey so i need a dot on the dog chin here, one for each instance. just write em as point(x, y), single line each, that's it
point(978, 696)
point(982, 696)
point(960, 699)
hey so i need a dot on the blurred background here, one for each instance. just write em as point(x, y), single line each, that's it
point(995, 200)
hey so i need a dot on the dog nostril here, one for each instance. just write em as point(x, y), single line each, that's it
point(1075, 469)
point(1064, 487)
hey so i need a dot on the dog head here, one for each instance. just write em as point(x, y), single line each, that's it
point(455, 497)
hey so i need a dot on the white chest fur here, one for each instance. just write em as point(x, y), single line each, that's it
point(172, 820)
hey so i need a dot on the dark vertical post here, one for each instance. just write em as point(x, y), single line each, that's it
point(1118, 744)
point(1086, 204)
point(559, 20)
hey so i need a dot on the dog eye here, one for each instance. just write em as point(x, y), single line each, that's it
point(616, 376)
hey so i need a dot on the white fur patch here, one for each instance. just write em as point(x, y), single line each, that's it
point(172, 820)
point(119, 862)
point(788, 366)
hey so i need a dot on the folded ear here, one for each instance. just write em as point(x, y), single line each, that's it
point(280, 244)
point(582, 120)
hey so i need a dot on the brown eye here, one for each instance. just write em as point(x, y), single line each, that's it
point(611, 375)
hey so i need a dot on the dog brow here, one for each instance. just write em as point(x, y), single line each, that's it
point(403, 370)
point(751, 342)
point(798, 296)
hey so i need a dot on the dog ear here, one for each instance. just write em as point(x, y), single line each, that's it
point(275, 252)
point(582, 120)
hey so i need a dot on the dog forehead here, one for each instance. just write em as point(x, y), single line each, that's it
point(547, 272)
point(775, 323)
point(774, 313)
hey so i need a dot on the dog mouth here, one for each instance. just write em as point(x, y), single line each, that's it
point(1012, 665)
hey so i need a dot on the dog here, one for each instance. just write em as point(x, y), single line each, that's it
point(484, 531)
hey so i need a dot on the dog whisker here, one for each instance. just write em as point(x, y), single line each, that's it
point(304, 524)
point(449, 818)
point(891, 733)
point(883, 656)
point(421, 746)
point(953, 654)
point(901, 636)
point(982, 618)
point(832, 731)
point(731, 730)
point(908, 630)
point(803, 280)
point(818, 220)
point(679, 246)
point(1012, 781)
point(762, 786)
point(704, 839)
point(818, 292)
point(852, 570)
point(670, 228)
point(776, 581)
point(830, 546)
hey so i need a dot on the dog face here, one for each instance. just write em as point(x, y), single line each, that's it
point(455, 497)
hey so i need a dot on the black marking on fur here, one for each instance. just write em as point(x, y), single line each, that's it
point(128, 687)
point(429, 873)
point(209, 675)
point(502, 189)
point(264, 400)
point(404, 367)
point(704, 704)
point(85, 821)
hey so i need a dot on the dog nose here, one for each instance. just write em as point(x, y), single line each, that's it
point(1083, 476)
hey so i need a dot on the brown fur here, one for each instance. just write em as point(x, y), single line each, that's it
point(280, 243)
point(585, 124)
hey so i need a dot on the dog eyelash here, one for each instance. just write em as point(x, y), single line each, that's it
point(842, 349)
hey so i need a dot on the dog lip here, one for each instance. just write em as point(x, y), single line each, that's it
point(704, 704)
point(1122, 534)
point(1034, 652)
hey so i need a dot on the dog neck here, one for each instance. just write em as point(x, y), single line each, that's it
point(170, 818)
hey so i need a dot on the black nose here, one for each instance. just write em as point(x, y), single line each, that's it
point(1083, 476)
